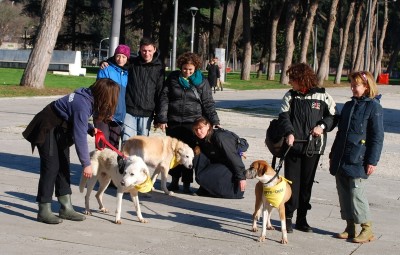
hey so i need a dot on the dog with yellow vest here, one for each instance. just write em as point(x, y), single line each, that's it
point(160, 153)
point(272, 191)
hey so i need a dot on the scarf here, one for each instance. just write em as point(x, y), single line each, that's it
point(195, 79)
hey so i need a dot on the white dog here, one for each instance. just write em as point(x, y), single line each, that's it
point(105, 168)
point(160, 153)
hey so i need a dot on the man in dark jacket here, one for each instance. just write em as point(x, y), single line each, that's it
point(145, 80)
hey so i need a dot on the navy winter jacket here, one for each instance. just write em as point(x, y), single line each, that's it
point(359, 139)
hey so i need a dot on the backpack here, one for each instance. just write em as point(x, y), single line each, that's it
point(274, 138)
point(241, 146)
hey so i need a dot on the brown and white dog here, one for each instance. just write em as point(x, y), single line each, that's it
point(160, 153)
point(261, 170)
point(135, 175)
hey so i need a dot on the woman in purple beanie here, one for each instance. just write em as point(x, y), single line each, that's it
point(117, 72)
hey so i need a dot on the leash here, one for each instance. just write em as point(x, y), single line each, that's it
point(278, 168)
point(101, 143)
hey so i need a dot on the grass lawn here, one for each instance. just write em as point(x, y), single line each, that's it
point(64, 84)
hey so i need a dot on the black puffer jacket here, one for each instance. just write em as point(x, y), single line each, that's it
point(145, 81)
point(179, 105)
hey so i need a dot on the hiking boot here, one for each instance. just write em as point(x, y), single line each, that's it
point(186, 188)
point(366, 234)
point(349, 232)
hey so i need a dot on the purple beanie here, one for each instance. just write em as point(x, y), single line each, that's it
point(123, 49)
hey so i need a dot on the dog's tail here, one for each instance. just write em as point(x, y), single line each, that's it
point(82, 183)
point(93, 161)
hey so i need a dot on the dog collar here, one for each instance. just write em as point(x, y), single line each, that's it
point(145, 186)
point(174, 163)
point(276, 193)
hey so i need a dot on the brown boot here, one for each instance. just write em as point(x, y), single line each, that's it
point(366, 234)
point(349, 232)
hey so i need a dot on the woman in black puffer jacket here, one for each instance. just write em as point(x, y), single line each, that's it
point(186, 96)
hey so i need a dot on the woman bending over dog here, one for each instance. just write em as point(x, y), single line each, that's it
point(53, 130)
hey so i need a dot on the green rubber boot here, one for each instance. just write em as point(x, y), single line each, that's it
point(67, 210)
point(45, 214)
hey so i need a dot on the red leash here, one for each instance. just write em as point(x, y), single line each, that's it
point(101, 143)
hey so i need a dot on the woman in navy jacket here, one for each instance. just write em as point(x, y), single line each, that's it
point(356, 152)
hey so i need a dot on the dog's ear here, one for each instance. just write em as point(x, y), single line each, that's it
point(121, 164)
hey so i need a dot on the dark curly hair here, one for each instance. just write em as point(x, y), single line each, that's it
point(303, 74)
point(189, 58)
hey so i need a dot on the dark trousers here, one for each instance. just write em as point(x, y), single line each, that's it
point(183, 132)
point(111, 131)
point(54, 166)
point(300, 169)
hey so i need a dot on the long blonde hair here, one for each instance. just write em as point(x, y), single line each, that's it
point(367, 79)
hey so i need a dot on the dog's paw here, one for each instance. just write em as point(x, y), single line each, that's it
point(142, 220)
point(118, 222)
point(170, 193)
point(284, 241)
point(270, 227)
point(254, 229)
point(86, 212)
point(261, 239)
point(104, 210)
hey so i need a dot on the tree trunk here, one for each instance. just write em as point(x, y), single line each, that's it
point(289, 42)
point(223, 24)
point(356, 41)
point(343, 49)
point(211, 29)
point(324, 64)
point(148, 19)
point(166, 11)
point(232, 30)
point(246, 67)
point(307, 30)
point(274, 28)
point(382, 38)
point(39, 59)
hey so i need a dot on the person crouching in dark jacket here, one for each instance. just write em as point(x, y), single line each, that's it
point(218, 165)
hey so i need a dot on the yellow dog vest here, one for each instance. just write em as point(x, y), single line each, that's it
point(173, 163)
point(145, 186)
point(275, 194)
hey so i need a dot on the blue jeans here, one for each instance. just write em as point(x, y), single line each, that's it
point(134, 125)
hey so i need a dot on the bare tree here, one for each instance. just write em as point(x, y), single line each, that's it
point(39, 59)
point(223, 24)
point(343, 48)
point(307, 30)
point(293, 6)
point(324, 64)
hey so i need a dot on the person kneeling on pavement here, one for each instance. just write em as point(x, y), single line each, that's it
point(218, 165)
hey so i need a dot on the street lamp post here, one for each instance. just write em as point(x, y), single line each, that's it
point(100, 47)
point(174, 36)
point(193, 11)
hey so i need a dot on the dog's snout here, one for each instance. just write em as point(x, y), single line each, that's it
point(190, 166)
point(123, 183)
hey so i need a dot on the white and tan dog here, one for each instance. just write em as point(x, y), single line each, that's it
point(270, 194)
point(106, 168)
point(160, 153)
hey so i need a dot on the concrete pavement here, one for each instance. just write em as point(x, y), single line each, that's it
point(184, 224)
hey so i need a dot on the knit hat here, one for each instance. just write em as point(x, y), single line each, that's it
point(123, 49)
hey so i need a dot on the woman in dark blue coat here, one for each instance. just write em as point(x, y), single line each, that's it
point(356, 152)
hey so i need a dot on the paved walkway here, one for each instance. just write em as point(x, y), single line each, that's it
point(184, 224)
